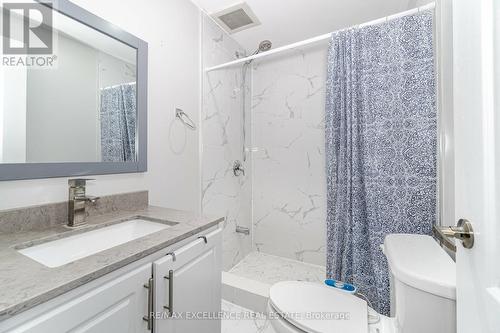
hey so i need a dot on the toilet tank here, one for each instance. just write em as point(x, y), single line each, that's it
point(423, 284)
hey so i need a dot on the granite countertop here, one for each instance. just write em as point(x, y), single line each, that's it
point(25, 283)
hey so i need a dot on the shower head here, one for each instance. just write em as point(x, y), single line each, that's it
point(265, 45)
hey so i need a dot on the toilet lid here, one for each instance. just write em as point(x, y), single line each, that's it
point(316, 308)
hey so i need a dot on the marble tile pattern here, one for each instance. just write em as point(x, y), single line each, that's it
point(272, 269)
point(54, 214)
point(223, 193)
point(289, 182)
point(241, 320)
point(26, 283)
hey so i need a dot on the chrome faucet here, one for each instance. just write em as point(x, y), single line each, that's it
point(77, 202)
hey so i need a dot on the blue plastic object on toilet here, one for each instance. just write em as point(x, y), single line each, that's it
point(349, 288)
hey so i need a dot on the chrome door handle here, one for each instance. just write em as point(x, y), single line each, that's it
point(170, 306)
point(463, 232)
point(149, 317)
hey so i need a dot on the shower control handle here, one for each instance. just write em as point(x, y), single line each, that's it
point(238, 169)
point(242, 230)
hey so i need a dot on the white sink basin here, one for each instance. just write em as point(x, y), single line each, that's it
point(65, 250)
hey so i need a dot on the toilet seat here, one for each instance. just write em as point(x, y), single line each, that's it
point(316, 308)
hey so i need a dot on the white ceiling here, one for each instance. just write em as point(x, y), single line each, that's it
point(288, 21)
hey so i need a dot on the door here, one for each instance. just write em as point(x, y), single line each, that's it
point(476, 82)
point(117, 306)
point(188, 287)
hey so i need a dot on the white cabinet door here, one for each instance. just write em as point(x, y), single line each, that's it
point(116, 306)
point(189, 286)
point(476, 83)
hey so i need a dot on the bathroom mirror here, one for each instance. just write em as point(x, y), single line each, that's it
point(73, 90)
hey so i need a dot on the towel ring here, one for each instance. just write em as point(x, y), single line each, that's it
point(185, 119)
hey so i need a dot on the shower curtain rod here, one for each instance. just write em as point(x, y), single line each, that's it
point(318, 38)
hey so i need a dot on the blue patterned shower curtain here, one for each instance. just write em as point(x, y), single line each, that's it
point(381, 146)
point(118, 123)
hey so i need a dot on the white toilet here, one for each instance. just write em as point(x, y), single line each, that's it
point(422, 291)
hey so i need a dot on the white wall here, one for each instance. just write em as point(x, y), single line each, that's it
point(62, 107)
point(288, 21)
point(14, 114)
point(1, 112)
point(113, 71)
point(13, 109)
point(444, 58)
point(172, 30)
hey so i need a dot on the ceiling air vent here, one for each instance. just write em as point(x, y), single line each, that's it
point(236, 18)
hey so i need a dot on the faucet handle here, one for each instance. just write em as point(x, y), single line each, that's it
point(78, 182)
point(86, 198)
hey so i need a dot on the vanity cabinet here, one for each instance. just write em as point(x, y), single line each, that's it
point(186, 277)
point(112, 307)
point(188, 287)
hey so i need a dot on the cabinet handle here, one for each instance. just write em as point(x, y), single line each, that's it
point(174, 258)
point(149, 317)
point(170, 306)
point(204, 239)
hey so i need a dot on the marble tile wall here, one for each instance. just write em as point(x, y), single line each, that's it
point(282, 196)
point(289, 185)
point(222, 192)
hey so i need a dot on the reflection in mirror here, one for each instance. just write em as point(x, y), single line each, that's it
point(83, 109)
